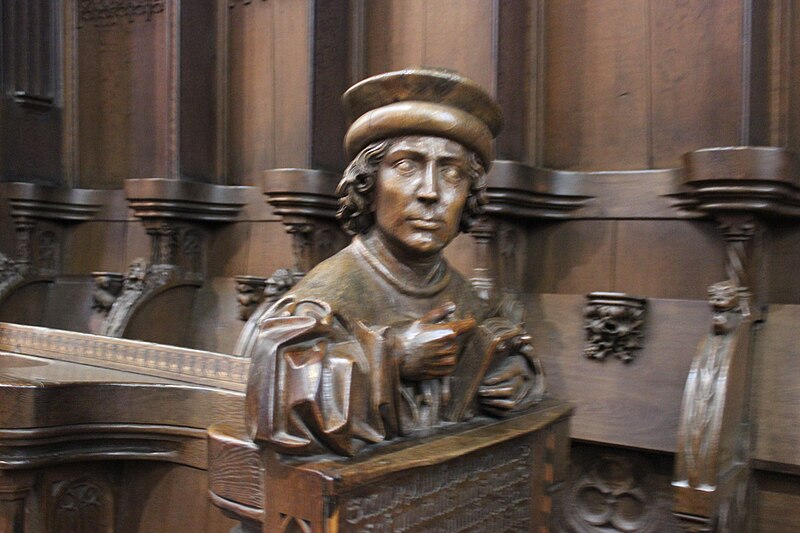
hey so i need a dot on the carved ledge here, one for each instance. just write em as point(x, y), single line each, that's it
point(520, 191)
point(157, 198)
point(218, 371)
point(39, 447)
point(517, 193)
point(306, 201)
point(295, 192)
point(470, 478)
point(762, 181)
point(40, 214)
point(41, 202)
point(176, 215)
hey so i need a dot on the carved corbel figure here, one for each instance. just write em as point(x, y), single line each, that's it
point(704, 396)
point(254, 291)
point(107, 288)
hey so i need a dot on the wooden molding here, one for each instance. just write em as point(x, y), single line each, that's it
point(761, 181)
point(181, 364)
point(157, 198)
point(50, 203)
point(519, 191)
point(302, 192)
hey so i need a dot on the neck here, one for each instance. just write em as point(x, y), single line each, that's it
point(419, 270)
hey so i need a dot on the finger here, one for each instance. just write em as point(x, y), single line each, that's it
point(497, 392)
point(462, 326)
point(505, 374)
point(449, 360)
point(439, 371)
point(438, 313)
point(437, 334)
point(500, 404)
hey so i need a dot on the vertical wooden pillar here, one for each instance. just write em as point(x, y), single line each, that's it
point(289, 63)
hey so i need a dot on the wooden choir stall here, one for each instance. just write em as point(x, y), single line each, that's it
point(191, 340)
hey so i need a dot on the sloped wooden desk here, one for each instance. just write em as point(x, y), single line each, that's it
point(101, 435)
point(484, 476)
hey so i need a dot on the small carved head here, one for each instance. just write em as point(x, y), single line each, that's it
point(278, 283)
point(137, 270)
point(723, 296)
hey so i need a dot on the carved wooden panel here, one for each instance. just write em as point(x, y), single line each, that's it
point(29, 66)
point(596, 92)
point(126, 91)
point(450, 492)
point(83, 505)
point(610, 491)
point(30, 130)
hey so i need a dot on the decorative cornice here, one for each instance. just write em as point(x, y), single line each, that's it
point(517, 190)
point(41, 447)
point(158, 198)
point(107, 12)
point(762, 181)
point(296, 192)
point(29, 200)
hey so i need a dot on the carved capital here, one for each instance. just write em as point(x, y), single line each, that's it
point(40, 215)
point(517, 194)
point(307, 203)
point(518, 191)
point(614, 325)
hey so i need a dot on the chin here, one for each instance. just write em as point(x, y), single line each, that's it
point(426, 245)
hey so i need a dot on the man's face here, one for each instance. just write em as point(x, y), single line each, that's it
point(422, 186)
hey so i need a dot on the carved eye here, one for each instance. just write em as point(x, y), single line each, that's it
point(405, 166)
point(451, 173)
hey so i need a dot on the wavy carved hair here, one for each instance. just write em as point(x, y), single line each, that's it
point(356, 190)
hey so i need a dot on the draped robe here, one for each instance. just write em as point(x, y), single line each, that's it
point(323, 377)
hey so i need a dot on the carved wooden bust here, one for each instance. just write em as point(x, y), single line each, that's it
point(384, 339)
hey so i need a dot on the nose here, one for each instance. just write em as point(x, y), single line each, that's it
point(428, 190)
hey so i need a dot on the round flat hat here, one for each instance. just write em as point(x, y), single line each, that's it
point(421, 102)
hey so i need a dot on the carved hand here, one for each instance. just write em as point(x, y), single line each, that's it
point(510, 385)
point(428, 347)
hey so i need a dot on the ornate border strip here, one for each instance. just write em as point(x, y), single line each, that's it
point(172, 362)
